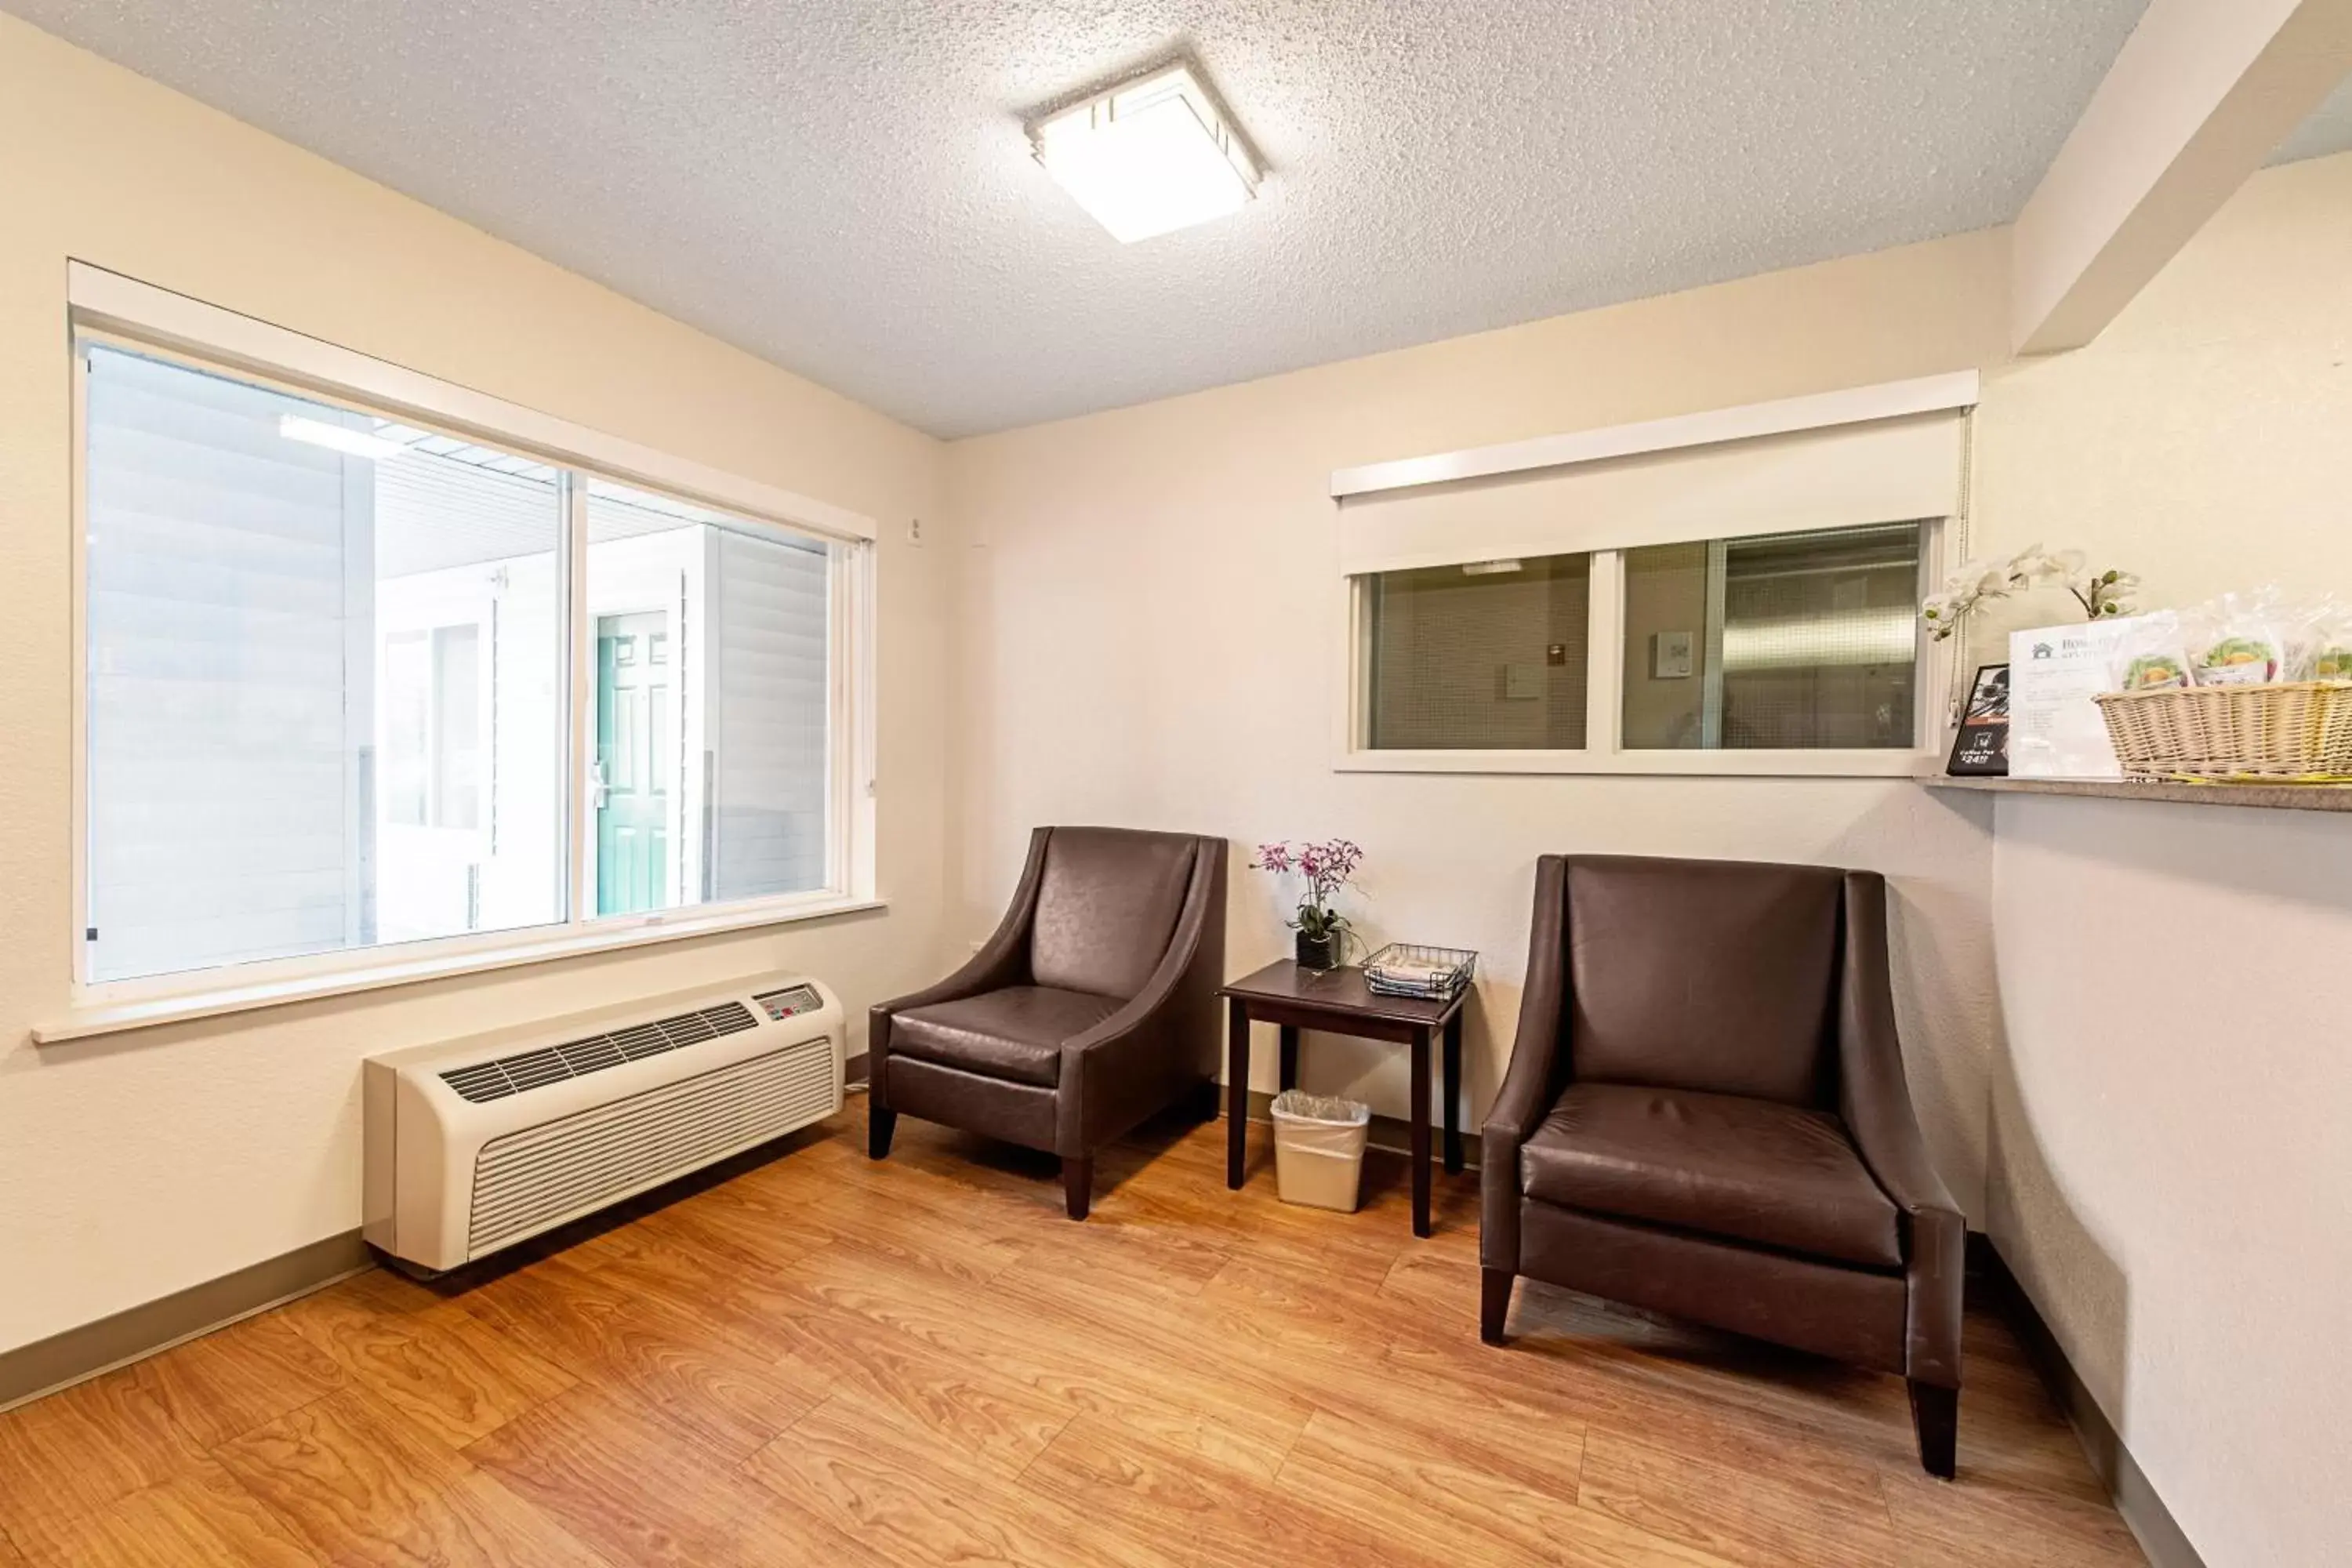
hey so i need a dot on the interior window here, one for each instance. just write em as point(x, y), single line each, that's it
point(1788, 641)
point(1486, 655)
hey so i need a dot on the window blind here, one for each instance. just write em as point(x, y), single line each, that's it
point(769, 688)
point(1887, 470)
point(226, 613)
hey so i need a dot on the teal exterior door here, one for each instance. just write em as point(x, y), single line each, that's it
point(636, 751)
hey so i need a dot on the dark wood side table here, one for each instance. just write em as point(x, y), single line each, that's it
point(1338, 1002)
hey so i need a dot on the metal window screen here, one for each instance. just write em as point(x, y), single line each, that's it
point(1799, 641)
point(1490, 655)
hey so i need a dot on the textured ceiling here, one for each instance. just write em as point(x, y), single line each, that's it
point(844, 188)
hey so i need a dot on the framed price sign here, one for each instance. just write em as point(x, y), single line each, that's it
point(1981, 748)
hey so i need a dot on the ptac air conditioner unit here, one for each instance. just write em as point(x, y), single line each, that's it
point(474, 1144)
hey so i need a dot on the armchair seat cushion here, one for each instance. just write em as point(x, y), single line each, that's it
point(1015, 1034)
point(1748, 1170)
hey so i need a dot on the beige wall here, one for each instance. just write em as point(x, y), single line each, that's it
point(2205, 439)
point(138, 1164)
point(2170, 1176)
point(2155, 1066)
point(1151, 625)
point(2172, 1179)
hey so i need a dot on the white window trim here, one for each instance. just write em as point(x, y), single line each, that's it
point(105, 306)
point(158, 318)
point(1603, 752)
point(1604, 638)
point(1786, 415)
point(334, 974)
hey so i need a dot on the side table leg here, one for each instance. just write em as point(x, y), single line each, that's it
point(1237, 1053)
point(1453, 1095)
point(1289, 1056)
point(1421, 1043)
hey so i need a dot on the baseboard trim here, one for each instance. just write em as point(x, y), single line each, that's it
point(78, 1354)
point(44, 1366)
point(854, 1070)
point(1392, 1134)
point(2160, 1536)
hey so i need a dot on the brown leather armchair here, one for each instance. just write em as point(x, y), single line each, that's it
point(1706, 1114)
point(1093, 1007)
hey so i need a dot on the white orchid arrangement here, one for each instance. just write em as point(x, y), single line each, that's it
point(2101, 593)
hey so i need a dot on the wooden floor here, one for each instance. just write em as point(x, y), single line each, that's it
point(823, 1359)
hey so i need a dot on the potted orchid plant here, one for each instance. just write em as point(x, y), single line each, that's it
point(1326, 869)
point(2102, 594)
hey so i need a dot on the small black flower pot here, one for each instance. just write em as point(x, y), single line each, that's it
point(1319, 951)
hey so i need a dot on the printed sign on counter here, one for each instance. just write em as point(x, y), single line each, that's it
point(2056, 730)
point(1981, 749)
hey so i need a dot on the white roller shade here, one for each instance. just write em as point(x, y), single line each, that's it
point(1886, 470)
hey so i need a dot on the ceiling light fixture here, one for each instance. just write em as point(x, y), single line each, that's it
point(1489, 568)
point(1154, 155)
point(340, 438)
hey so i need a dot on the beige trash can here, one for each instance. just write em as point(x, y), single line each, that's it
point(1318, 1149)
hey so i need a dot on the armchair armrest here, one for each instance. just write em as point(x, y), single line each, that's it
point(1875, 1099)
point(1873, 1095)
point(1120, 1070)
point(1529, 1081)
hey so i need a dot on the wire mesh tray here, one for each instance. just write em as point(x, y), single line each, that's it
point(1414, 969)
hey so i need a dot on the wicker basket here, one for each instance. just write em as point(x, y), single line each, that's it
point(2294, 730)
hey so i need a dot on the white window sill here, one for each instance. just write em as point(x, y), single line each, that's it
point(110, 1015)
point(1874, 764)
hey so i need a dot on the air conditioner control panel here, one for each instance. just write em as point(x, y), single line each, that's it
point(788, 1003)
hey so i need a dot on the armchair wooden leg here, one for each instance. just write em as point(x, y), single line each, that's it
point(1077, 1182)
point(1936, 1416)
point(1493, 1302)
point(880, 1123)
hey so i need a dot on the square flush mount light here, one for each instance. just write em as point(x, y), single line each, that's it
point(1149, 157)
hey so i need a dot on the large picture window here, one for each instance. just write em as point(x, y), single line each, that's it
point(707, 778)
point(354, 681)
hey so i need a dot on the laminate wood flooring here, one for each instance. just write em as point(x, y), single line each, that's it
point(808, 1357)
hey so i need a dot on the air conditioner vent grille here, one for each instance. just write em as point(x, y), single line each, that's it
point(527, 1070)
point(643, 1040)
point(484, 1080)
point(530, 1180)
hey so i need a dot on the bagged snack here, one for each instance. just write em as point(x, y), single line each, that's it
point(2320, 643)
point(2331, 659)
point(2240, 658)
point(2150, 654)
point(2236, 641)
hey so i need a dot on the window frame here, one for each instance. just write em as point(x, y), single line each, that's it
point(110, 310)
point(1603, 752)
